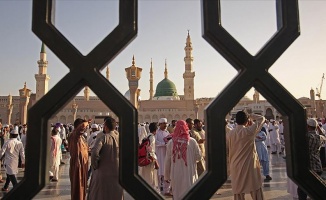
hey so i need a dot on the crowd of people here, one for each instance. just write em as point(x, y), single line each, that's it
point(176, 150)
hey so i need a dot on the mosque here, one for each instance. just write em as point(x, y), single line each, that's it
point(165, 101)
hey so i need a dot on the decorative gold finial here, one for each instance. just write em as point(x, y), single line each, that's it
point(165, 70)
point(133, 60)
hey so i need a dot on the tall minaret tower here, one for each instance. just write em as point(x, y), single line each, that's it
point(87, 93)
point(42, 79)
point(107, 73)
point(151, 84)
point(133, 75)
point(256, 96)
point(189, 74)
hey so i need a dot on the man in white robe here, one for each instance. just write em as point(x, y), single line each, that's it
point(55, 155)
point(180, 162)
point(149, 172)
point(12, 150)
point(244, 161)
point(275, 138)
point(142, 133)
point(160, 149)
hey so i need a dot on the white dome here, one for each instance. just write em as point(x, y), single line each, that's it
point(127, 96)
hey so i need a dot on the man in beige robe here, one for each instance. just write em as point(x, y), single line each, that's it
point(244, 161)
point(78, 160)
point(105, 165)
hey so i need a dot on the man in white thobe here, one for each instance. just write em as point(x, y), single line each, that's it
point(142, 133)
point(275, 138)
point(12, 150)
point(55, 155)
point(149, 172)
point(182, 154)
point(160, 149)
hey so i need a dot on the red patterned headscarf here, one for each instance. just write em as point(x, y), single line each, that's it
point(180, 138)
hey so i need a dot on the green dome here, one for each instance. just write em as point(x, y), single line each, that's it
point(165, 88)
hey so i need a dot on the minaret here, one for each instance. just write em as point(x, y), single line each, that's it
point(74, 108)
point(9, 109)
point(256, 96)
point(107, 73)
point(133, 75)
point(189, 74)
point(24, 94)
point(151, 84)
point(86, 93)
point(42, 79)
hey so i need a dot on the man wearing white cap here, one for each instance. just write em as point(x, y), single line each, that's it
point(12, 149)
point(160, 149)
point(92, 137)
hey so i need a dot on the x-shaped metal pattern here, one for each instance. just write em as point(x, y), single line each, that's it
point(84, 70)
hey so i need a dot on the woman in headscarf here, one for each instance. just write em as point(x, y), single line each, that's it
point(182, 154)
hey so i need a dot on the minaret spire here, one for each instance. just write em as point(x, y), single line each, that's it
point(133, 60)
point(43, 48)
point(151, 80)
point(42, 79)
point(165, 71)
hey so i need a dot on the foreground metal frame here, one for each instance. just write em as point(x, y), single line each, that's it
point(85, 70)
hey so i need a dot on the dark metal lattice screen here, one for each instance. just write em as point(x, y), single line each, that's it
point(84, 70)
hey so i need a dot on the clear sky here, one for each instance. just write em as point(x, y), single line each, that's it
point(162, 31)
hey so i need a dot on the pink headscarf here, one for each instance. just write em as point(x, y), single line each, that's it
point(180, 138)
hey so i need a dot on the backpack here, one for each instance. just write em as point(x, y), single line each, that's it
point(144, 157)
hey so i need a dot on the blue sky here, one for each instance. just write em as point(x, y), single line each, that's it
point(162, 31)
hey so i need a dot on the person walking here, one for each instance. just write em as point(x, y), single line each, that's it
point(55, 154)
point(13, 149)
